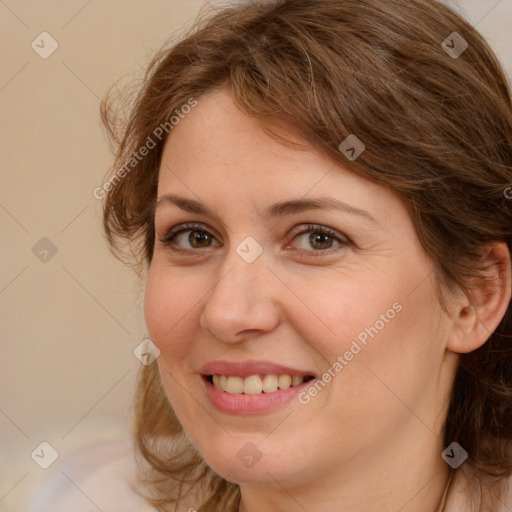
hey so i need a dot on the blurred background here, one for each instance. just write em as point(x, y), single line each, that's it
point(70, 314)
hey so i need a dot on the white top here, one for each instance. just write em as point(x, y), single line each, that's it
point(103, 477)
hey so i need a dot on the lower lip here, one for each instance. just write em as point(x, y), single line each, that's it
point(250, 404)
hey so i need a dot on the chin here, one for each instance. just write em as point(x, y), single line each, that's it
point(249, 465)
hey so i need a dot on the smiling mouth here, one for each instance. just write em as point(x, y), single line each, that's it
point(256, 384)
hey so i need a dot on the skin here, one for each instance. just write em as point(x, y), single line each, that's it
point(371, 439)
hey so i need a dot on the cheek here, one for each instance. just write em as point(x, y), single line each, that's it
point(155, 305)
point(347, 309)
point(374, 323)
point(166, 305)
point(168, 310)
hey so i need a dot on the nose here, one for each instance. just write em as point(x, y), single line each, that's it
point(242, 302)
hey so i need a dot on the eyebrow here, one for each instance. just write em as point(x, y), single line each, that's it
point(280, 209)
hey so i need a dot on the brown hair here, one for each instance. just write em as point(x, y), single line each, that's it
point(437, 131)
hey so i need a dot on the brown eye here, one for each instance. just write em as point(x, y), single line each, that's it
point(201, 238)
point(190, 237)
point(320, 241)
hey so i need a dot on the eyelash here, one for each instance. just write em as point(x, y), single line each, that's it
point(343, 241)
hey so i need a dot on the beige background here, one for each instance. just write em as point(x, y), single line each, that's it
point(69, 325)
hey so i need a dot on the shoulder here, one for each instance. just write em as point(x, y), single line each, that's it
point(471, 491)
point(101, 477)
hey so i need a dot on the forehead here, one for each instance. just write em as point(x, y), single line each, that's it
point(218, 153)
point(217, 135)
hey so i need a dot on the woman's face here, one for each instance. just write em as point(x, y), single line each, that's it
point(260, 283)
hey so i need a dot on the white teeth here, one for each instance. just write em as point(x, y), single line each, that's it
point(270, 383)
point(255, 384)
point(284, 381)
point(297, 379)
point(235, 385)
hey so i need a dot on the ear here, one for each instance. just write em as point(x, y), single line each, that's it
point(484, 305)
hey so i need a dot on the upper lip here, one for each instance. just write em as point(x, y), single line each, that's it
point(247, 368)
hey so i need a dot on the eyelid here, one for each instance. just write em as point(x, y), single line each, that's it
point(311, 228)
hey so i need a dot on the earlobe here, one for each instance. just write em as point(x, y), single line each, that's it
point(485, 303)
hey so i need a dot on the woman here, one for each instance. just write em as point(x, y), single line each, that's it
point(315, 193)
